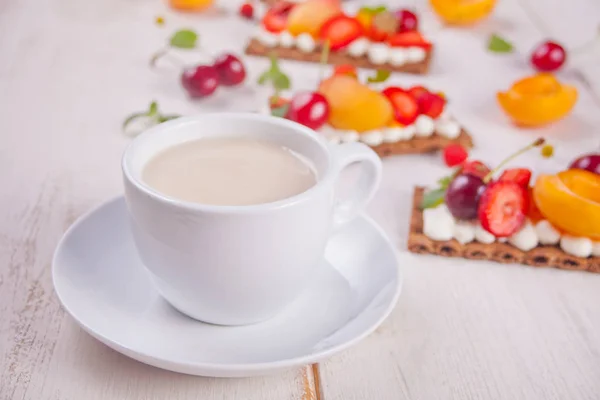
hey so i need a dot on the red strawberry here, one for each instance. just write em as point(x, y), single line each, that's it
point(503, 207)
point(431, 104)
point(454, 154)
point(409, 39)
point(340, 31)
point(247, 10)
point(518, 175)
point(345, 69)
point(405, 107)
point(275, 20)
point(475, 167)
point(417, 92)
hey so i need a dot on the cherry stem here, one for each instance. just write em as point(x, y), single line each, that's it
point(538, 142)
point(163, 53)
point(324, 59)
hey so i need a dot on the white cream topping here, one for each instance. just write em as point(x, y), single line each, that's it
point(398, 56)
point(379, 53)
point(267, 38)
point(464, 231)
point(596, 249)
point(372, 138)
point(547, 234)
point(305, 43)
point(526, 238)
point(415, 54)
point(438, 223)
point(359, 47)
point(577, 246)
point(392, 135)
point(483, 236)
point(286, 40)
point(448, 128)
point(349, 136)
point(425, 126)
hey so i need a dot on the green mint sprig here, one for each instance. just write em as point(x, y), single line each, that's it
point(381, 75)
point(435, 197)
point(153, 115)
point(278, 80)
point(497, 44)
point(186, 39)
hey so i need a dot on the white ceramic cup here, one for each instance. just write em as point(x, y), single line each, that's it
point(236, 265)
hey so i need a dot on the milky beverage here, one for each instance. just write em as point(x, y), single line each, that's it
point(228, 171)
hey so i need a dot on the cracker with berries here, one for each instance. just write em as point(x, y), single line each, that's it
point(392, 121)
point(375, 37)
point(496, 215)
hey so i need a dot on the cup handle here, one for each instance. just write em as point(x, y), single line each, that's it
point(344, 155)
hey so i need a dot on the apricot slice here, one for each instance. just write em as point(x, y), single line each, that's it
point(570, 201)
point(462, 12)
point(354, 106)
point(310, 16)
point(538, 100)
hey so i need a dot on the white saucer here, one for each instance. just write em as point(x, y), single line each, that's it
point(102, 283)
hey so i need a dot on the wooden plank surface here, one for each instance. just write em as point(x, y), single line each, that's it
point(70, 71)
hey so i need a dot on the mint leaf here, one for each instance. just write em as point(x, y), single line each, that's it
point(373, 10)
point(445, 181)
point(280, 111)
point(433, 198)
point(184, 39)
point(264, 77)
point(499, 45)
point(165, 118)
point(153, 110)
point(281, 81)
point(381, 75)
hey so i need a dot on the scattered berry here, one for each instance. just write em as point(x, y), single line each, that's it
point(548, 56)
point(310, 109)
point(462, 196)
point(276, 19)
point(247, 10)
point(408, 21)
point(588, 162)
point(521, 176)
point(431, 104)
point(454, 154)
point(547, 151)
point(230, 69)
point(345, 69)
point(476, 168)
point(200, 81)
point(406, 109)
point(503, 207)
point(340, 31)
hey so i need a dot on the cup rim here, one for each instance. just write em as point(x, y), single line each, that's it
point(252, 208)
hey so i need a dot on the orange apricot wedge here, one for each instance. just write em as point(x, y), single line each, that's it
point(538, 100)
point(570, 200)
point(311, 15)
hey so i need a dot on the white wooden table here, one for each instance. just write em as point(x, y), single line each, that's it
point(70, 71)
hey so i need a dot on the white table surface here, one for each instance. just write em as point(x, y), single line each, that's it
point(70, 71)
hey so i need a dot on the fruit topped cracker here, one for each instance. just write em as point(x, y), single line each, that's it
point(373, 38)
point(496, 215)
point(392, 121)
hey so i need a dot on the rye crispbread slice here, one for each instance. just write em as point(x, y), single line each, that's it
point(256, 48)
point(418, 145)
point(541, 256)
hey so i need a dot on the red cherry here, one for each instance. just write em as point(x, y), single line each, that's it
point(408, 20)
point(309, 109)
point(247, 10)
point(230, 69)
point(275, 20)
point(548, 56)
point(200, 81)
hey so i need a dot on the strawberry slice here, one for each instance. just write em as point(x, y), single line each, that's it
point(409, 39)
point(405, 106)
point(275, 20)
point(417, 91)
point(340, 31)
point(431, 104)
point(520, 176)
point(475, 167)
point(503, 207)
point(345, 69)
